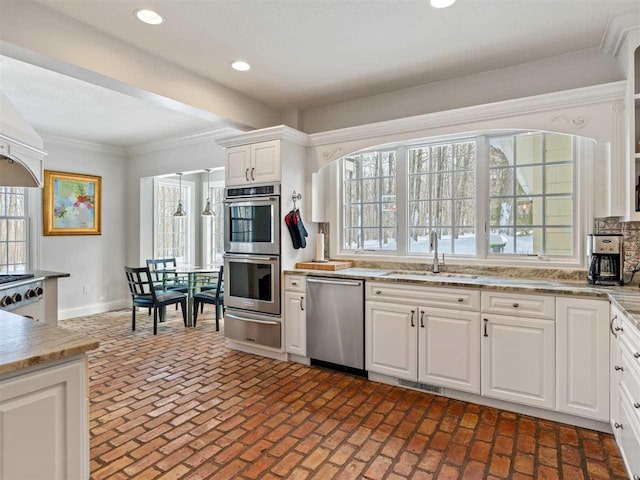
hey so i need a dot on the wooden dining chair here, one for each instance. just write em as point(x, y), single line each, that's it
point(212, 297)
point(145, 294)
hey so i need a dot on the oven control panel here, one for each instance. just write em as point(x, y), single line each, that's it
point(24, 294)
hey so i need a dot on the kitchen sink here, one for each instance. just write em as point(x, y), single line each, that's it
point(430, 275)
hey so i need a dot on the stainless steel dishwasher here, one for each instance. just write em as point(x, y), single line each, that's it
point(335, 322)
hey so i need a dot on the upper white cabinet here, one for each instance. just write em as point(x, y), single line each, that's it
point(583, 357)
point(254, 163)
point(518, 360)
point(449, 348)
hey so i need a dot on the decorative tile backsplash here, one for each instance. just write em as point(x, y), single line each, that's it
point(631, 232)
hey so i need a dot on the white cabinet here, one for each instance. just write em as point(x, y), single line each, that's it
point(449, 349)
point(614, 361)
point(295, 323)
point(391, 340)
point(518, 360)
point(627, 433)
point(43, 424)
point(254, 163)
point(583, 357)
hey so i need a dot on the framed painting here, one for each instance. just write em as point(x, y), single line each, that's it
point(71, 204)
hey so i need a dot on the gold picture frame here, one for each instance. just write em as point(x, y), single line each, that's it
point(72, 204)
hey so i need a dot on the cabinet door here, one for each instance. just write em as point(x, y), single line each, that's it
point(391, 341)
point(518, 360)
point(43, 424)
point(238, 165)
point(583, 357)
point(265, 162)
point(449, 349)
point(628, 434)
point(295, 323)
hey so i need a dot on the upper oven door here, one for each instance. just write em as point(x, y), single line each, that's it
point(252, 226)
point(252, 282)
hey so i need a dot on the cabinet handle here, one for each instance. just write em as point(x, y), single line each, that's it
point(619, 329)
point(378, 292)
point(486, 322)
point(246, 174)
point(294, 283)
point(615, 317)
point(422, 319)
point(636, 355)
point(461, 300)
point(515, 305)
point(618, 368)
point(617, 425)
point(413, 312)
point(301, 305)
point(252, 170)
point(636, 404)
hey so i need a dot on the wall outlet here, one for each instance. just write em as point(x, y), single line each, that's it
point(85, 288)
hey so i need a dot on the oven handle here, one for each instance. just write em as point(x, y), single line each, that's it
point(250, 257)
point(242, 319)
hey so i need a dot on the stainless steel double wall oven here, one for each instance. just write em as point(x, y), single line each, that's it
point(252, 264)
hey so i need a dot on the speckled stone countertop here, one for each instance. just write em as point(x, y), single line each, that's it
point(48, 274)
point(625, 298)
point(25, 343)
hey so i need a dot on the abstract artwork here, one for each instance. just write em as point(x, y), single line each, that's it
point(71, 204)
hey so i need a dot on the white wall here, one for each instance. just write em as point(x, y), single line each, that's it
point(150, 162)
point(93, 260)
point(564, 72)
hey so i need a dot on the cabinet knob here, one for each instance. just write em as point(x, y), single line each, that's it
point(516, 305)
point(378, 292)
point(618, 368)
point(636, 355)
point(294, 283)
point(461, 300)
point(619, 329)
point(636, 404)
point(617, 425)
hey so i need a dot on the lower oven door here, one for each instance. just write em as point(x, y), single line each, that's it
point(252, 282)
point(255, 329)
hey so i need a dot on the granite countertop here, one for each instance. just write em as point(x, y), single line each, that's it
point(48, 274)
point(625, 298)
point(25, 343)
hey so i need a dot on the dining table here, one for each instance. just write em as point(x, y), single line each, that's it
point(196, 276)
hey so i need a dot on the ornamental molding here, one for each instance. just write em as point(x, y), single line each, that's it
point(67, 142)
point(549, 102)
point(617, 107)
point(578, 122)
point(280, 132)
point(329, 155)
point(209, 135)
point(617, 30)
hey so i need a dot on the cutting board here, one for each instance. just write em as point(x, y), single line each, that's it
point(331, 265)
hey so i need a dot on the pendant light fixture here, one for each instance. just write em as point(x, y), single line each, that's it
point(207, 212)
point(180, 212)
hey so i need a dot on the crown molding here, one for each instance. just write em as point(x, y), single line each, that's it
point(280, 132)
point(535, 104)
point(210, 135)
point(617, 30)
point(81, 144)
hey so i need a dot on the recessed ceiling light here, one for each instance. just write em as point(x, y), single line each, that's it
point(240, 66)
point(148, 16)
point(442, 3)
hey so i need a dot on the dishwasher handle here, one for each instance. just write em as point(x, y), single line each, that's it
point(348, 283)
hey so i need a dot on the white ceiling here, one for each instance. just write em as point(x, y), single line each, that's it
point(60, 105)
point(312, 52)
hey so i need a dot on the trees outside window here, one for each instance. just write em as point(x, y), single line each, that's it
point(13, 229)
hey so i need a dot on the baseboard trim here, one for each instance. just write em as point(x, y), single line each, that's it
point(93, 309)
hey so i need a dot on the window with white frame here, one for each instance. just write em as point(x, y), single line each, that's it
point(172, 234)
point(493, 195)
point(213, 227)
point(13, 229)
point(370, 201)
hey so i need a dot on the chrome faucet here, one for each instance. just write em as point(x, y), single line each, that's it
point(433, 238)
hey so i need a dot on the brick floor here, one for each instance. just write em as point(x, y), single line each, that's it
point(181, 406)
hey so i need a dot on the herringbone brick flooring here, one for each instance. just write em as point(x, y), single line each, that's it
point(182, 406)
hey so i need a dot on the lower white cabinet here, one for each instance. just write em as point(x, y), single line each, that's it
point(583, 357)
point(295, 323)
point(627, 433)
point(518, 360)
point(43, 424)
point(391, 340)
point(449, 349)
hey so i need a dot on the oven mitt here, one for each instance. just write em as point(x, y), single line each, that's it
point(302, 232)
point(293, 229)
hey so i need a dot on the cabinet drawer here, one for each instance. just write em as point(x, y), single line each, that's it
point(630, 378)
point(630, 336)
point(519, 305)
point(629, 435)
point(295, 283)
point(458, 298)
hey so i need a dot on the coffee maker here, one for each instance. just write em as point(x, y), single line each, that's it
point(606, 259)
